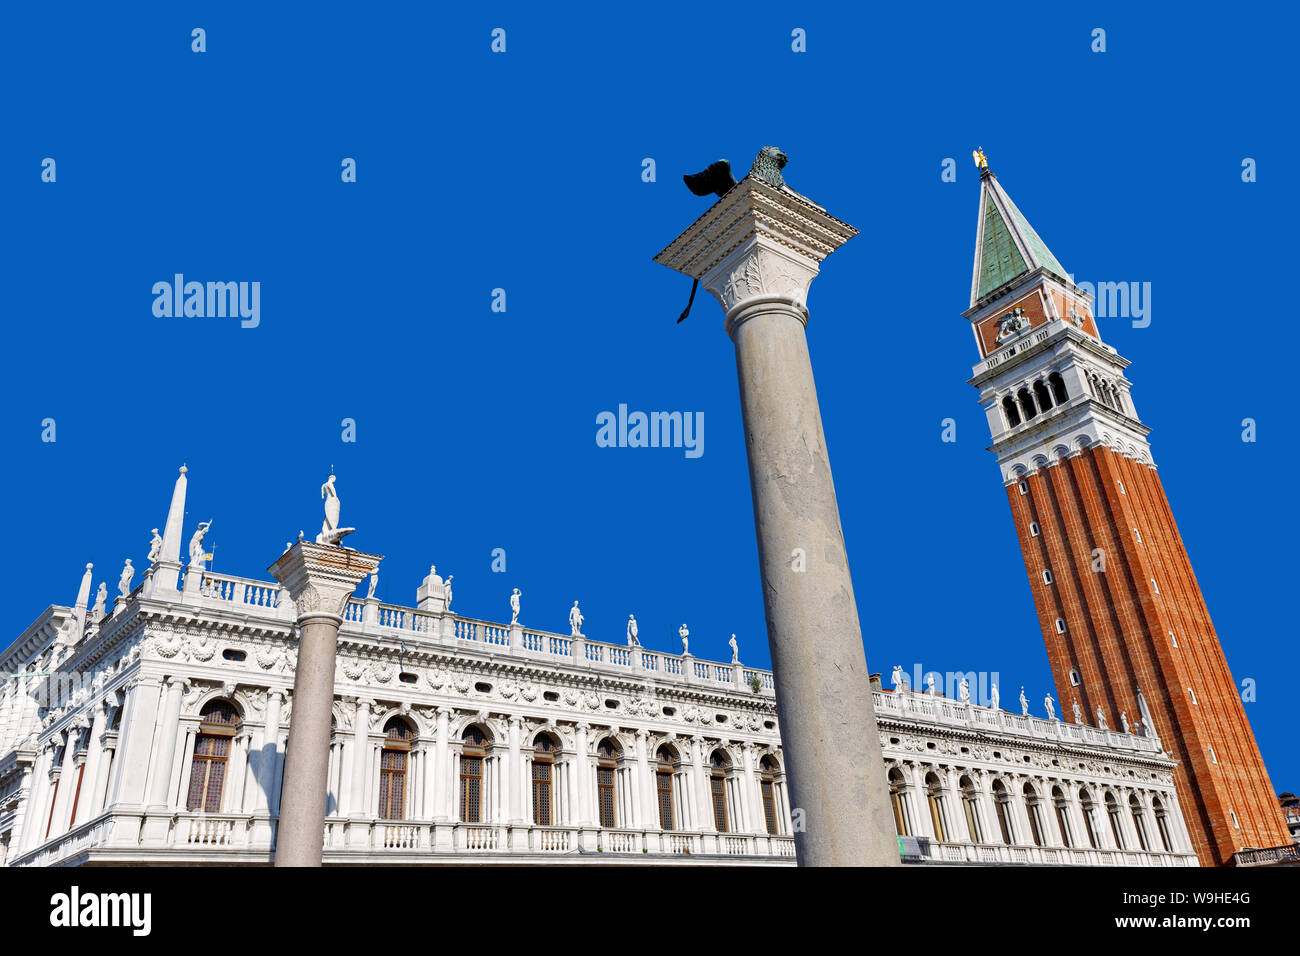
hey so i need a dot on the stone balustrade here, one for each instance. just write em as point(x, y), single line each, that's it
point(214, 837)
point(921, 708)
point(373, 618)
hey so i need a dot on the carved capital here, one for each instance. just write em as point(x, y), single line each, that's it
point(758, 244)
point(320, 578)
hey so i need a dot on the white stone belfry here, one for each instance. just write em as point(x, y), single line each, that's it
point(756, 250)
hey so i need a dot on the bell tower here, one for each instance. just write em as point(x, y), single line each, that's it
point(1128, 634)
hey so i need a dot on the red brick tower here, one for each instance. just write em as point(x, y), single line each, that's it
point(1126, 627)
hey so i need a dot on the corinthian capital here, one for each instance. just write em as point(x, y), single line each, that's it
point(758, 244)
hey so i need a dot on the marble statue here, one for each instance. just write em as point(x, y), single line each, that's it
point(994, 698)
point(196, 544)
point(1101, 719)
point(374, 583)
point(1024, 702)
point(686, 643)
point(330, 532)
point(1050, 705)
point(446, 591)
point(735, 650)
point(631, 632)
point(1078, 712)
point(963, 691)
point(514, 607)
point(896, 678)
point(155, 546)
point(575, 620)
point(1123, 721)
point(101, 599)
point(124, 582)
point(929, 683)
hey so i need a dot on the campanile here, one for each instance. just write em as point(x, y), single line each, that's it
point(1127, 630)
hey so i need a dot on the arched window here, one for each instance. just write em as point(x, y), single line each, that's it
point(934, 797)
point(718, 765)
point(1089, 817)
point(1027, 409)
point(1033, 529)
point(1162, 824)
point(544, 749)
point(1139, 821)
point(969, 803)
point(767, 769)
point(1002, 803)
point(218, 724)
point(1041, 394)
point(1062, 815)
point(1010, 411)
point(1058, 387)
point(897, 796)
point(1034, 809)
point(607, 754)
point(666, 764)
point(392, 769)
point(473, 753)
point(1112, 813)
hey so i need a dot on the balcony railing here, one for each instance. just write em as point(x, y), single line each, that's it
point(263, 598)
point(914, 705)
point(925, 850)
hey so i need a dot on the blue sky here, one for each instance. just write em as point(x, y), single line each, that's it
point(476, 430)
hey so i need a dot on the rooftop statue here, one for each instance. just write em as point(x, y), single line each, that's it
point(196, 544)
point(330, 532)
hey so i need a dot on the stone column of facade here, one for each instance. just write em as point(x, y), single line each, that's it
point(36, 776)
point(158, 819)
point(94, 760)
point(137, 736)
point(514, 780)
point(442, 766)
point(757, 250)
point(649, 801)
point(67, 783)
point(320, 579)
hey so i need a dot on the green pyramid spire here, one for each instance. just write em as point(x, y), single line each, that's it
point(1007, 246)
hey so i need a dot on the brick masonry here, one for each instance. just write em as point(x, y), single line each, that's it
point(1142, 624)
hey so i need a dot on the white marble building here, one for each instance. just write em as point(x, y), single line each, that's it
point(154, 731)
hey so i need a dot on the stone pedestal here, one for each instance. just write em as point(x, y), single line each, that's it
point(756, 250)
point(320, 578)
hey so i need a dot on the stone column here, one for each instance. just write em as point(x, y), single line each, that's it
point(360, 759)
point(320, 579)
point(158, 820)
point(649, 799)
point(581, 761)
point(94, 760)
point(757, 250)
point(441, 766)
point(513, 775)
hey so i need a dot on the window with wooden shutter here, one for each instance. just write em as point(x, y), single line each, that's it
point(605, 790)
point(767, 786)
point(473, 752)
point(393, 759)
point(543, 773)
point(218, 724)
point(718, 789)
point(607, 755)
point(542, 793)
